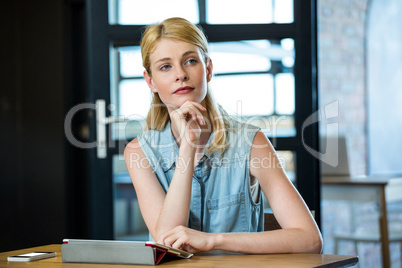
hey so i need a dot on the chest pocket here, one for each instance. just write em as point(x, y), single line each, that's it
point(227, 214)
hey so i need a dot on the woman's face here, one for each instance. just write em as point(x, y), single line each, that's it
point(179, 73)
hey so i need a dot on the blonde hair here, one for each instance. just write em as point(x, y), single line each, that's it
point(158, 116)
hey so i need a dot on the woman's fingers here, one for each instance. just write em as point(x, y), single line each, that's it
point(176, 238)
point(192, 112)
point(188, 113)
point(187, 239)
point(188, 120)
point(168, 238)
point(196, 104)
point(179, 243)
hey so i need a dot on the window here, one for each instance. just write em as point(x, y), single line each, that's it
point(251, 11)
point(131, 12)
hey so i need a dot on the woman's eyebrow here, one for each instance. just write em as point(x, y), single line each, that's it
point(189, 52)
point(184, 55)
point(163, 59)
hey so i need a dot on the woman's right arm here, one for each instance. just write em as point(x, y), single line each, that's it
point(162, 212)
point(149, 191)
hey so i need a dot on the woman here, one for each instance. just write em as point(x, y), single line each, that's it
point(197, 172)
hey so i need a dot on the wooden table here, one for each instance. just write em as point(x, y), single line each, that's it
point(366, 189)
point(209, 259)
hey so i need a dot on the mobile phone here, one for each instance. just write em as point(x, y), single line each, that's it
point(32, 256)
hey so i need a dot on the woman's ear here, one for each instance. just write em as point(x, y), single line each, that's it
point(209, 69)
point(150, 82)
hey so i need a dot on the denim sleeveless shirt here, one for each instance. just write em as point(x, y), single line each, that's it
point(221, 200)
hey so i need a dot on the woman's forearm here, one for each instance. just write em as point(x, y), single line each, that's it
point(278, 241)
point(176, 207)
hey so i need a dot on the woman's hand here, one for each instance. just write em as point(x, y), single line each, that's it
point(188, 239)
point(186, 122)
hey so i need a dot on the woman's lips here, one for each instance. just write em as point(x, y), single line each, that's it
point(183, 90)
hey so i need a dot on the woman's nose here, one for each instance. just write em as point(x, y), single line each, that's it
point(181, 75)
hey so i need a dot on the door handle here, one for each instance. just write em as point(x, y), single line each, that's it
point(101, 123)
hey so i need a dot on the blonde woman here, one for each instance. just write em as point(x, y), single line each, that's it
point(197, 172)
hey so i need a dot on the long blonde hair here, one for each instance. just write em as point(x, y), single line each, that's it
point(158, 116)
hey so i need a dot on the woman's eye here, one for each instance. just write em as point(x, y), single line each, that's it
point(164, 67)
point(192, 61)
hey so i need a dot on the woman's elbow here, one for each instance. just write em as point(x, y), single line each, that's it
point(316, 244)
